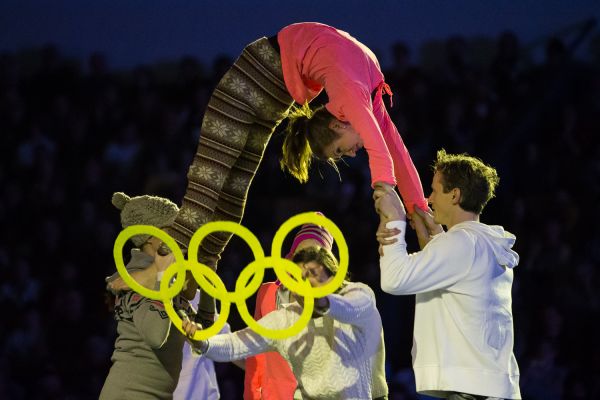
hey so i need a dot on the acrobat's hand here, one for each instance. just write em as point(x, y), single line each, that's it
point(424, 225)
point(382, 187)
point(390, 207)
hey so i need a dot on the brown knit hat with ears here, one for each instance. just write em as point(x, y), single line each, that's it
point(144, 210)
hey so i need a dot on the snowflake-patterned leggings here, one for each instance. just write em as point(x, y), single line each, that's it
point(248, 103)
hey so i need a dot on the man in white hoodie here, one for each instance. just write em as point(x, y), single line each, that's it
point(462, 278)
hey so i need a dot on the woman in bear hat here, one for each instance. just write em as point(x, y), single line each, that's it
point(147, 359)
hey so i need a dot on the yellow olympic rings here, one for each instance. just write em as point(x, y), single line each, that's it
point(248, 281)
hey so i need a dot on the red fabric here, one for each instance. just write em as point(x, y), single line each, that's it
point(268, 375)
point(315, 57)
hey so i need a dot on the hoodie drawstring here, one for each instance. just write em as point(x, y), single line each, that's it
point(384, 87)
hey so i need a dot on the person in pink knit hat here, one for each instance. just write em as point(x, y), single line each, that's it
point(268, 375)
point(339, 354)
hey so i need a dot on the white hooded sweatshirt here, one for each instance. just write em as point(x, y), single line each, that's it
point(463, 334)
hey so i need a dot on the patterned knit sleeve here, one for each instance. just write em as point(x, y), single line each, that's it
point(354, 305)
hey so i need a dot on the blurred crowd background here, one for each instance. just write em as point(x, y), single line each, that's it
point(73, 133)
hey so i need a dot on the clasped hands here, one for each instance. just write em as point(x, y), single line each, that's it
point(390, 208)
point(190, 327)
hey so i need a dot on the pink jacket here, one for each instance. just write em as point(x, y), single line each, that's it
point(315, 57)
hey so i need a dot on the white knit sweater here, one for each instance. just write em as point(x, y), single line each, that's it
point(337, 356)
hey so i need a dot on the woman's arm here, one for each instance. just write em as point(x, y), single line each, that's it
point(353, 104)
point(389, 160)
point(354, 305)
point(237, 345)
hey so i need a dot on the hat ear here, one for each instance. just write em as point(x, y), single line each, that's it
point(120, 199)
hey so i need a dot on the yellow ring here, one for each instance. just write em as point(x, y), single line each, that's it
point(134, 230)
point(295, 328)
point(237, 229)
point(177, 321)
point(301, 219)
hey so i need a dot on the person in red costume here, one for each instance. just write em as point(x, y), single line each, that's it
point(268, 376)
point(256, 94)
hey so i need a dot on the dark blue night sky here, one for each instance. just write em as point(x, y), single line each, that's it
point(132, 32)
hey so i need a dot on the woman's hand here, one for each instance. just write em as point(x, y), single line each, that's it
point(389, 206)
point(382, 187)
point(321, 304)
point(163, 262)
point(190, 328)
point(145, 277)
